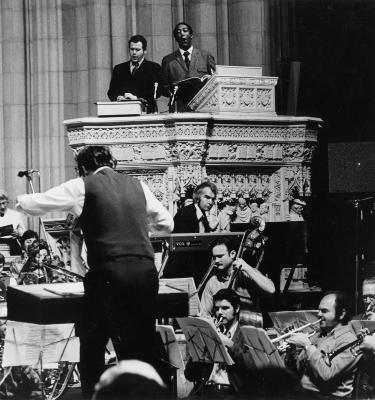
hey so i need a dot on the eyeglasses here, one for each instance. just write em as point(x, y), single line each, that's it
point(370, 297)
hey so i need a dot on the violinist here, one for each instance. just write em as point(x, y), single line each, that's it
point(248, 280)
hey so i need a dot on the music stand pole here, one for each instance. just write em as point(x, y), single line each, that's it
point(356, 255)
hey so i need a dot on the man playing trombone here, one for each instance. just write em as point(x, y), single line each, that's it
point(232, 272)
point(320, 372)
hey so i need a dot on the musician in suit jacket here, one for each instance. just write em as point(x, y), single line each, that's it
point(137, 77)
point(193, 218)
point(186, 62)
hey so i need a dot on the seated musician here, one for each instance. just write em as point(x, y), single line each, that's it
point(217, 376)
point(368, 297)
point(334, 377)
point(247, 282)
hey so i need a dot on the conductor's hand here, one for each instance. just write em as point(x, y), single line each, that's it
point(299, 339)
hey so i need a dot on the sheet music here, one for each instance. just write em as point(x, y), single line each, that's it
point(26, 343)
point(203, 340)
point(171, 346)
point(186, 285)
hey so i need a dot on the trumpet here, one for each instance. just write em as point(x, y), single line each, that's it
point(283, 346)
point(219, 325)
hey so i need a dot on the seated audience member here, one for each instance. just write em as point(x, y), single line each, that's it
point(137, 77)
point(193, 218)
point(296, 210)
point(130, 379)
point(243, 212)
point(226, 216)
point(264, 211)
point(247, 282)
point(10, 217)
point(186, 62)
point(333, 378)
point(368, 297)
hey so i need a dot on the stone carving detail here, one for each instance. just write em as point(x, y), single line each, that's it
point(188, 151)
point(213, 101)
point(228, 97)
point(190, 130)
point(188, 175)
point(264, 99)
point(147, 152)
point(155, 179)
point(294, 181)
point(247, 98)
point(237, 183)
point(265, 133)
point(261, 152)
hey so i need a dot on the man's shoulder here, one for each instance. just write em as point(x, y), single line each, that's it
point(202, 53)
point(170, 57)
point(188, 210)
point(122, 65)
point(152, 64)
point(344, 333)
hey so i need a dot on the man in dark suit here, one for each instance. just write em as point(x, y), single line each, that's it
point(193, 218)
point(186, 62)
point(136, 78)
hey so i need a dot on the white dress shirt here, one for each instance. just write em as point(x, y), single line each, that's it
point(70, 197)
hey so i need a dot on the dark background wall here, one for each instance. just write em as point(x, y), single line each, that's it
point(335, 43)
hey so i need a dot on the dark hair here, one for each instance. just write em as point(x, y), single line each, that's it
point(226, 241)
point(227, 294)
point(28, 235)
point(94, 157)
point(341, 304)
point(138, 38)
point(198, 190)
point(182, 23)
point(2, 258)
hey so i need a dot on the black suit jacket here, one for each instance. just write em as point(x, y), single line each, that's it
point(186, 221)
point(141, 83)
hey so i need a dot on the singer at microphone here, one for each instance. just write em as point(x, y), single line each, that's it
point(27, 172)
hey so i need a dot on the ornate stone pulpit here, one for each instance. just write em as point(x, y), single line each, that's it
point(234, 138)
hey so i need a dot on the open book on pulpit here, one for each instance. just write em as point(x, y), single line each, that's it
point(203, 341)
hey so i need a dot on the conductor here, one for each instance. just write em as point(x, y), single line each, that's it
point(116, 213)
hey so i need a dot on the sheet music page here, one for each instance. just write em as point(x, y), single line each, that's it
point(203, 340)
point(25, 343)
point(187, 285)
point(171, 346)
point(357, 325)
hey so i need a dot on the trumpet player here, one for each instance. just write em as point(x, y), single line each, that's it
point(318, 375)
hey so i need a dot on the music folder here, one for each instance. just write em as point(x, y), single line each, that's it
point(6, 230)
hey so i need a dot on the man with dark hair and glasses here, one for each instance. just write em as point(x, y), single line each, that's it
point(116, 213)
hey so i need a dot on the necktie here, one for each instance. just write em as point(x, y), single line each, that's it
point(205, 223)
point(187, 60)
point(135, 66)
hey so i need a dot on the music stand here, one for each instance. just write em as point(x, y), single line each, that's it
point(203, 341)
point(259, 347)
point(287, 319)
point(39, 346)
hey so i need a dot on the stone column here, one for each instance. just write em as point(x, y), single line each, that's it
point(13, 113)
point(248, 33)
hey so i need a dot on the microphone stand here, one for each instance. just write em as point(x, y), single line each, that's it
point(41, 223)
point(358, 218)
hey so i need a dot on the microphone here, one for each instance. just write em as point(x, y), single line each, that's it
point(156, 84)
point(27, 172)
